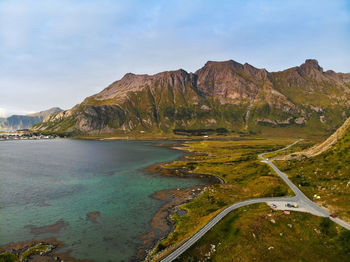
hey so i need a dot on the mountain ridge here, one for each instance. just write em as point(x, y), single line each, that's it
point(227, 94)
point(16, 122)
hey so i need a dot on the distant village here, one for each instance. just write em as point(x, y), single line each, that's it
point(20, 135)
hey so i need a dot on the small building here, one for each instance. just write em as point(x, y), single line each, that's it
point(286, 212)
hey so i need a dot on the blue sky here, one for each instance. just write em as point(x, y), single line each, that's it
point(57, 52)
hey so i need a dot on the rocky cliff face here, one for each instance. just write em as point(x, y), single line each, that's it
point(17, 122)
point(228, 94)
point(231, 81)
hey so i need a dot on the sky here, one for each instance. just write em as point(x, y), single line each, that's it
point(57, 52)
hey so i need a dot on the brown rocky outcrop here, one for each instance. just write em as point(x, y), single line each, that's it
point(219, 95)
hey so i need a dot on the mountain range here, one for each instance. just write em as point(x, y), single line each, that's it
point(226, 96)
point(17, 122)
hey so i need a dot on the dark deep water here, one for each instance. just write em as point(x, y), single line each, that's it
point(58, 182)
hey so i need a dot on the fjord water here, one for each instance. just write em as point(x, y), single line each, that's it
point(58, 182)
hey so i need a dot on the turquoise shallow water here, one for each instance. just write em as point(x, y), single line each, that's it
point(42, 182)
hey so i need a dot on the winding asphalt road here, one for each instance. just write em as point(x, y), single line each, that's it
point(299, 199)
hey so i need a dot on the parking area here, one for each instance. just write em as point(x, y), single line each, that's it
point(287, 205)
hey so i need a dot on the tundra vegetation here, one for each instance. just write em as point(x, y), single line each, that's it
point(325, 178)
point(244, 177)
point(257, 233)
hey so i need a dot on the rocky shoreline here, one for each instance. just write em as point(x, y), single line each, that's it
point(162, 224)
point(32, 250)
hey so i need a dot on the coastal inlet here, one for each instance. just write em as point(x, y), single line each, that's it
point(93, 196)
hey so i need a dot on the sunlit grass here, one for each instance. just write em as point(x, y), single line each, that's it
point(244, 176)
point(256, 233)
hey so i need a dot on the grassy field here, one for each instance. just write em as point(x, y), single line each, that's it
point(256, 233)
point(237, 164)
point(301, 145)
point(326, 175)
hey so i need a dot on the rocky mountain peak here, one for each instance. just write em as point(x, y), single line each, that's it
point(174, 78)
point(219, 65)
point(256, 72)
point(175, 73)
point(311, 64)
point(220, 94)
point(128, 76)
point(135, 82)
point(232, 67)
point(230, 79)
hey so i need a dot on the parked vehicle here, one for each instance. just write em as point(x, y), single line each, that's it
point(292, 205)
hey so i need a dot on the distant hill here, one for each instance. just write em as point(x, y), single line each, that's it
point(339, 137)
point(16, 122)
point(221, 95)
point(330, 141)
point(46, 113)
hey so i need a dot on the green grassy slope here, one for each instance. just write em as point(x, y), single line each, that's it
point(326, 175)
point(256, 233)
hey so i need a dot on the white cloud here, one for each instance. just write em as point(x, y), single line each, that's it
point(56, 52)
point(6, 112)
